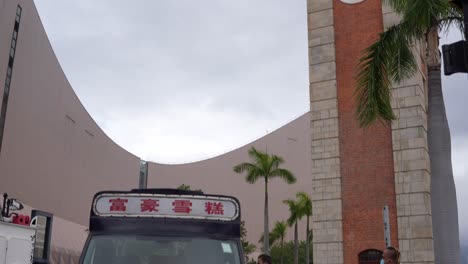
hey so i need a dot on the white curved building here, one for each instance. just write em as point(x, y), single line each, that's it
point(54, 157)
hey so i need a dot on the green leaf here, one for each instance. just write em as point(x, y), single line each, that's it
point(390, 59)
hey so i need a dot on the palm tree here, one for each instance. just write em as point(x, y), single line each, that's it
point(267, 167)
point(271, 239)
point(185, 187)
point(277, 235)
point(306, 206)
point(390, 59)
point(296, 213)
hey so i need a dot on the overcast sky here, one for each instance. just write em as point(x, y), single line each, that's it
point(180, 81)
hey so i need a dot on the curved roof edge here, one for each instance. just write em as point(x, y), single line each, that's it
point(253, 142)
point(78, 100)
point(124, 149)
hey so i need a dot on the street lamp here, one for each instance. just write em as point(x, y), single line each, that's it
point(455, 55)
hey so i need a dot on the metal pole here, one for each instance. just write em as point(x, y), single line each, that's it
point(386, 222)
point(5, 205)
point(143, 180)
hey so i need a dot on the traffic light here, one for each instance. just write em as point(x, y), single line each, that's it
point(455, 57)
point(457, 3)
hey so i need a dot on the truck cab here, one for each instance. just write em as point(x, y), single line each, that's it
point(163, 226)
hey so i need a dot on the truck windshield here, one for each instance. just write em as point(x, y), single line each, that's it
point(131, 249)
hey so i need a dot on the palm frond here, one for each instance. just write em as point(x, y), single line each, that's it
point(280, 228)
point(271, 238)
point(257, 156)
point(284, 174)
point(424, 14)
point(278, 232)
point(253, 172)
point(373, 86)
point(293, 210)
point(263, 165)
point(402, 64)
point(398, 5)
point(453, 19)
point(253, 176)
point(245, 166)
point(276, 161)
point(305, 203)
point(388, 59)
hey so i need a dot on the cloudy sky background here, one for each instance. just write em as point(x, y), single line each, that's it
point(180, 81)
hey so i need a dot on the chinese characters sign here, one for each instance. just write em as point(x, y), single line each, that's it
point(214, 208)
point(182, 206)
point(149, 205)
point(118, 204)
point(129, 204)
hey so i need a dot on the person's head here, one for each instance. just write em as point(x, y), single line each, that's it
point(264, 259)
point(391, 255)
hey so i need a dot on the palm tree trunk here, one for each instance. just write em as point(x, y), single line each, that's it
point(296, 245)
point(443, 199)
point(307, 241)
point(443, 194)
point(282, 250)
point(266, 239)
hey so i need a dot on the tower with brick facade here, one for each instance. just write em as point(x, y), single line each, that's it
point(355, 171)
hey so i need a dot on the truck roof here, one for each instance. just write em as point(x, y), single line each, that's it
point(165, 212)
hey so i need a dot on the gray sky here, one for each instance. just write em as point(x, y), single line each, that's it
point(201, 76)
point(206, 75)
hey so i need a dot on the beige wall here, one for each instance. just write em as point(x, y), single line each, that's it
point(54, 156)
point(325, 158)
point(216, 176)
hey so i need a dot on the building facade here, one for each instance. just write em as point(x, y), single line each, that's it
point(54, 157)
point(357, 172)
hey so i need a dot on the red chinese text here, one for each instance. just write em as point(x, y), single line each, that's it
point(149, 205)
point(214, 208)
point(182, 206)
point(118, 204)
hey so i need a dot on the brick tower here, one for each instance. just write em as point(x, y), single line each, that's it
point(355, 171)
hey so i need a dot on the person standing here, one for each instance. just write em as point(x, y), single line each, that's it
point(264, 259)
point(390, 255)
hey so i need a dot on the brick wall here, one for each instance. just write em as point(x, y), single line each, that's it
point(366, 154)
point(355, 172)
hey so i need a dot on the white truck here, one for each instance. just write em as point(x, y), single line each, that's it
point(23, 241)
point(16, 243)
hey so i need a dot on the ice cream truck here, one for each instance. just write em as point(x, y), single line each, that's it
point(163, 226)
